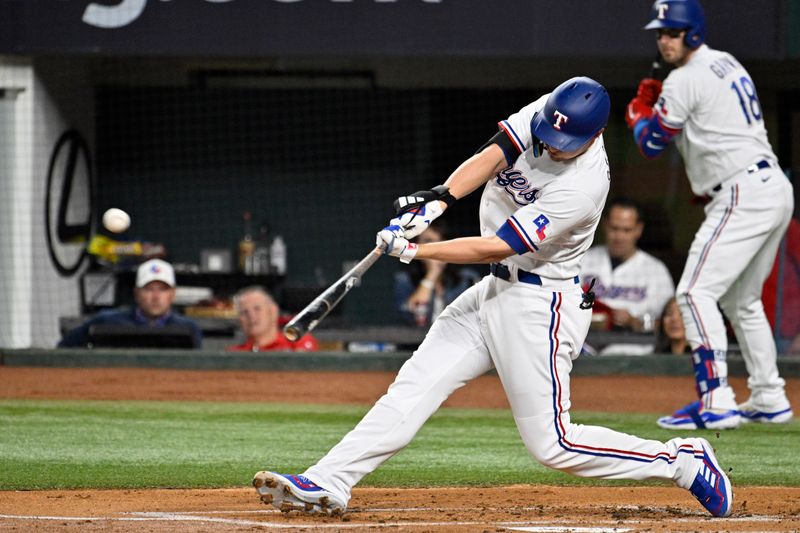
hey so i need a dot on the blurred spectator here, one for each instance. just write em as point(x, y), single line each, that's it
point(154, 294)
point(631, 286)
point(424, 288)
point(258, 316)
point(788, 337)
point(671, 336)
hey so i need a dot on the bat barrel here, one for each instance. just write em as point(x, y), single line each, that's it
point(308, 318)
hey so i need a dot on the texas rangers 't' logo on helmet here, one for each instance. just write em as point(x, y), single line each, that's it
point(662, 11)
point(561, 118)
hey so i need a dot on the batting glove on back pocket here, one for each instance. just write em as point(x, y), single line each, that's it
point(392, 239)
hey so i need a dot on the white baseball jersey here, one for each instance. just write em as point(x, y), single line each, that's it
point(713, 102)
point(546, 210)
point(642, 285)
point(529, 332)
point(712, 105)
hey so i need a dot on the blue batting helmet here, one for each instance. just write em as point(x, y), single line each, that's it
point(681, 14)
point(574, 113)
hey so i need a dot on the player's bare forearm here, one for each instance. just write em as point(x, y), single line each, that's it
point(476, 171)
point(466, 250)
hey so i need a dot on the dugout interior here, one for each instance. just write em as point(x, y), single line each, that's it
point(315, 143)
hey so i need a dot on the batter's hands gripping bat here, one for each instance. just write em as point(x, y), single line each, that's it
point(313, 313)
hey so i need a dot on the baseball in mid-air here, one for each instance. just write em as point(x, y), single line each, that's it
point(116, 220)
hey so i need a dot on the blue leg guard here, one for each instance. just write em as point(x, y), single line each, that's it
point(705, 369)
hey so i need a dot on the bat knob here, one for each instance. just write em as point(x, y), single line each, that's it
point(291, 332)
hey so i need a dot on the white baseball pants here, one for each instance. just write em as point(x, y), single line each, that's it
point(729, 260)
point(530, 334)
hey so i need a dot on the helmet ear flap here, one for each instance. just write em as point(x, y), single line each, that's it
point(693, 39)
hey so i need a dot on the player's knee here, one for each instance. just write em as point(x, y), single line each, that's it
point(545, 446)
point(680, 293)
point(694, 297)
point(546, 451)
point(681, 298)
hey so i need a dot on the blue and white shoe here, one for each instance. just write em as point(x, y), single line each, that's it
point(750, 413)
point(296, 493)
point(711, 486)
point(694, 416)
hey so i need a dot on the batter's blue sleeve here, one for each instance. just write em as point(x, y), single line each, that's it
point(510, 233)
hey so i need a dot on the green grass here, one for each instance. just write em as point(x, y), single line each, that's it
point(92, 444)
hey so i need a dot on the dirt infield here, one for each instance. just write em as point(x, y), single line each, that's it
point(644, 394)
point(518, 508)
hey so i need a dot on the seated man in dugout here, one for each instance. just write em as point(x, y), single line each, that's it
point(258, 317)
point(154, 295)
point(632, 287)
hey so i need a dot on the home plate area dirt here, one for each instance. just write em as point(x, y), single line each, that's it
point(515, 508)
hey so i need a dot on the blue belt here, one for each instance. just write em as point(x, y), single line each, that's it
point(755, 167)
point(761, 165)
point(501, 271)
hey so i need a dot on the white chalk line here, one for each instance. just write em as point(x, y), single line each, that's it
point(169, 517)
point(693, 515)
point(568, 529)
point(545, 526)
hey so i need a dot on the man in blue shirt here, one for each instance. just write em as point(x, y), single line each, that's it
point(154, 294)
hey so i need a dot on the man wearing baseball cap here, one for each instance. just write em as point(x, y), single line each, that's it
point(154, 294)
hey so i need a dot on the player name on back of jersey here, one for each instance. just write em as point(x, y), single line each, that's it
point(724, 66)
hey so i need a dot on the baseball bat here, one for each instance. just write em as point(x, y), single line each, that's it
point(307, 319)
point(655, 66)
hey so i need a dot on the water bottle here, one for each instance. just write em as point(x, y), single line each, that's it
point(261, 254)
point(261, 260)
point(246, 245)
point(277, 255)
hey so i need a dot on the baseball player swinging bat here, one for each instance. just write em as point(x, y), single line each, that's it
point(307, 319)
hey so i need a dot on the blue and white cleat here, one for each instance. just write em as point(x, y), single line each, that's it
point(694, 416)
point(296, 493)
point(750, 413)
point(711, 486)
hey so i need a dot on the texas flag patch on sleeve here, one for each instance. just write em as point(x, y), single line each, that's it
point(517, 234)
point(541, 223)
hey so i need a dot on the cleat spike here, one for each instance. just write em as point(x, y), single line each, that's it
point(296, 493)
